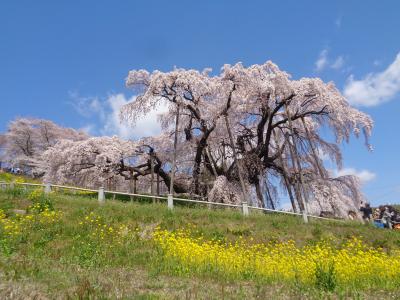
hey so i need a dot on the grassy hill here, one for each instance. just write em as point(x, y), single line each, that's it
point(68, 246)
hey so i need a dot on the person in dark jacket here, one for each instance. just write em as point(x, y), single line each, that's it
point(367, 212)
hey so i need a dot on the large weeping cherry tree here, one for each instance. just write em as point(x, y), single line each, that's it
point(276, 123)
point(248, 132)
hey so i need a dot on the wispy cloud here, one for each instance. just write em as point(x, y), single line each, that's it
point(338, 63)
point(338, 22)
point(86, 106)
point(376, 62)
point(323, 62)
point(374, 88)
point(88, 129)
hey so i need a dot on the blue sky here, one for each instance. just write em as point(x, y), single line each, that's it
point(67, 60)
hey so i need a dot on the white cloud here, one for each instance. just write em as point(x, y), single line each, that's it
point(145, 126)
point(88, 129)
point(375, 88)
point(87, 106)
point(322, 61)
point(106, 113)
point(338, 22)
point(112, 124)
point(364, 175)
point(338, 63)
point(376, 62)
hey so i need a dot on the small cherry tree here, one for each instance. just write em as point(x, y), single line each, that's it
point(26, 139)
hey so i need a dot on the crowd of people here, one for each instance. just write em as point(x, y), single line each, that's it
point(384, 216)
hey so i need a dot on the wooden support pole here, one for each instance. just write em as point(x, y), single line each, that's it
point(296, 184)
point(285, 176)
point(296, 161)
point(211, 162)
point(208, 191)
point(314, 152)
point(244, 193)
point(317, 162)
point(114, 186)
point(223, 157)
point(131, 189)
point(171, 185)
point(269, 195)
point(158, 184)
point(152, 176)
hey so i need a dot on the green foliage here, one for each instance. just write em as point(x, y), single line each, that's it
point(87, 253)
point(15, 192)
point(6, 247)
point(7, 177)
point(40, 200)
point(325, 278)
point(317, 231)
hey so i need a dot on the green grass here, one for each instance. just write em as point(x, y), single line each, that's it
point(62, 260)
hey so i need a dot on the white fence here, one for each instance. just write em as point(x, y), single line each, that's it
point(245, 208)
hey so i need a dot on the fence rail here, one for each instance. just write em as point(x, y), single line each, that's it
point(170, 199)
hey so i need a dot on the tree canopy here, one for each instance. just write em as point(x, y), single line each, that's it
point(252, 123)
point(26, 139)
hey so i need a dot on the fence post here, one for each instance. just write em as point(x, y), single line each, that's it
point(101, 196)
point(305, 217)
point(131, 191)
point(245, 208)
point(208, 200)
point(12, 185)
point(47, 188)
point(170, 202)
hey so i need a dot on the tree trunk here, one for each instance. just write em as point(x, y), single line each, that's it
point(177, 188)
point(260, 197)
point(201, 146)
